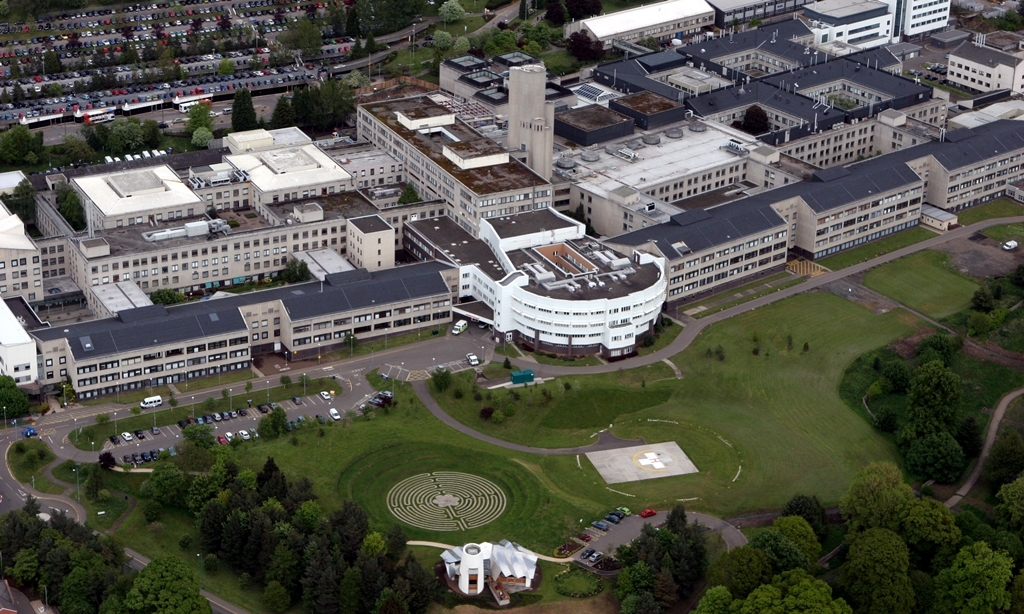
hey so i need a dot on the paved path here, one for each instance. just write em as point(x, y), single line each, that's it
point(990, 438)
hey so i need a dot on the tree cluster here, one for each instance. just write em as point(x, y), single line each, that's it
point(662, 565)
point(13, 398)
point(84, 572)
point(324, 107)
point(584, 48)
point(19, 145)
point(273, 529)
point(296, 271)
point(385, 16)
point(70, 207)
point(22, 201)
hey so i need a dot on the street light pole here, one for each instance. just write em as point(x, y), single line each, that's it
point(202, 571)
point(268, 392)
point(230, 401)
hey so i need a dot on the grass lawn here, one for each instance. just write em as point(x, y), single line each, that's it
point(876, 248)
point(461, 28)
point(134, 396)
point(732, 291)
point(508, 349)
point(225, 379)
point(402, 58)
point(579, 361)
point(26, 460)
point(98, 433)
point(667, 336)
point(924, 282)
point(1005, 232)
point(749, 297)
point(1001, 207)
point(379, 345)
point(560, 62)
point(111, 508)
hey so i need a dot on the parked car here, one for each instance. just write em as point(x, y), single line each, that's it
point(263, 409)
point(254, 433)
point(222, 440)
point(586, 553)
point(472, 359)
point(140, 434)
point(145, 457)
point(624, 510)
point(114, 439)
point(612, 518)
point(647, 513)
point(334, 414)
point(127, 459)
point(297, 400)
point(244, 434)
point(585, 537)
point(155, 430)
point(595, 557)
point(325, 395)
point(136, 459)
point(601, 526)
point(126, 436)
point(617, 514)
point(182, 424)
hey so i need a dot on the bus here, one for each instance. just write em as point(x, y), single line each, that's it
point(98, 117)
point(185, 106)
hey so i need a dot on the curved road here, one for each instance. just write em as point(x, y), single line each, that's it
point(990, 438)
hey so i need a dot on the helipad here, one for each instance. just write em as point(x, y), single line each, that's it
point(656, 460)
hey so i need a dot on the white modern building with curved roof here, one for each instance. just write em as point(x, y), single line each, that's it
point(538, 279)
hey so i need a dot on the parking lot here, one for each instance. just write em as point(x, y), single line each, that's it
point(307, 408)
point(606, 542)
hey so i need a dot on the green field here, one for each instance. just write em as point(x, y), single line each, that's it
point(111, 509)
point(1005, 232)
point(924, 282)
point(26, 460)
point(749, 297)
point(877, 248)
point(1001, 207)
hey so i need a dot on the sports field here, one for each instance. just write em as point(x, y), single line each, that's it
point(924, 282)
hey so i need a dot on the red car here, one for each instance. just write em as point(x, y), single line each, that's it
point(585, 537)
point(647, 513)
point(222, 440)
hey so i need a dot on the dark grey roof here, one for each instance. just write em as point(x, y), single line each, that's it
point(878, 80)
point(661, 60)
point(528, 223)
point(344, 291)
point(761, 38)
point(879, 57)
point(828, 189)
point(370, 223)
point(984, 55)
point(759, 93)
point(950, 35)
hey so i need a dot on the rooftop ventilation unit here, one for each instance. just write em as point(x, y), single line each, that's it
point(674, 133)
point(565, 163)
point(590, 156)
point(651, 139)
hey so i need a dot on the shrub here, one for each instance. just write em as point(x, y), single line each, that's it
point(244, 581)
point(458, 393)
point(102, 418)
point(152, 510)
point(41, 453)
point(510, 411)
point(185, 541)
point(19, 448)
point(567, 386)
point(885, 420)
point(477, 396)
point(486, 412)
point(807, 347)
point(211, 563)
point(155, 527)
point(498, 417)
point(507, 364)
point(756, 351)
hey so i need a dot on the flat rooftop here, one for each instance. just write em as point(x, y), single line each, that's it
point(324, 262)
point(691, 154)
point(628, 278)
point(511, 175)
point(528, 223)
point(370, 223)
point(648, 103)
point(842, 9)
point(879, 81)
point(289, 168)
point(121, 295)
point(592, 117)
point(337, 206)
point(12, 331)
point(669, 11)
point(459, 247)
point(137, 191)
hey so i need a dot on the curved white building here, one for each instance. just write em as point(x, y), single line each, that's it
point(538, 279)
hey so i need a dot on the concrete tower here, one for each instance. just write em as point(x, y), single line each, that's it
point(531, 119)
point(471, 570)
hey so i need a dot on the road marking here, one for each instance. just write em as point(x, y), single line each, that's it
point(619, 492)
point(738, 473)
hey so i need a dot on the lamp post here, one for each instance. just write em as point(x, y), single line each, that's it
point(268, 392)
point(303, 384)
point(193, 408)
point(115, 423)
point(230, 401)
point(5, 416)
point(78, 484)
point(202, 571)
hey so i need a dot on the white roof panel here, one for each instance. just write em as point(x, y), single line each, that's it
point(608, 26)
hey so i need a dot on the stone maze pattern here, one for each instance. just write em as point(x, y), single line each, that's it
point(446, 501)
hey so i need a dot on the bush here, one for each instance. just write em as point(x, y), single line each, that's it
point(498, 416)
point(486, 412)
point(510, 411)
point(937, 456)
point(155, 527)
point(19, 448)
point(885, 420)
point(507, 364)
point(152, 510)
point(211, 563)
point(185, 541)
point(477, 396)
point(244, 581)
point(458, 393)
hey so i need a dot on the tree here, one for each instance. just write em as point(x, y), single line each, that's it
point(13, 398)
point(349, 598)
point(94, 484)
point(875, 574)
point(199, 434)
point(125, 135)
point(583, 48)
point(199, 117)
point(933, 399)
point(18, 145)
point(70, 207)
point(524, 10)
point(201, 137)
point(783, 554)
point(226, 67)
point(755, 120)
point(296, 271)
point(76, 150)
point(443, 40)
point(926, 525)
point(166, 296)
point(396, 541)
point(554, 14)
point(283, 115)
point(874, 498)
point(390, 602)
point(1006, 458)
point(969, 435)
point(936, 457)
point(51, 63)
point(441, 379)
point(22, 202)
point(166, 484)
point(982, 300)
point(460, 46)
point(580, 9)
point(107, 461)
point(409, 195)
point(451, 12)
point(640, 603)
point(740, 570)
point(165, 586)
point(794, 591)
point(1017, 595)
point(798, 531)
point(899, 374)
point(715, 601)
point(975, 583)
point(810, 510)
point(633, 580)
point(151, 133)
point(243, 115)
point(275, 597)
point(303, 36)
point(1011, 497)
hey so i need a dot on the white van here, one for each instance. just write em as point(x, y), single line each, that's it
point(460, 326)
point(150, 402)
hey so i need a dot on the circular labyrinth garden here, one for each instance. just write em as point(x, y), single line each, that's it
point(446, 501)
